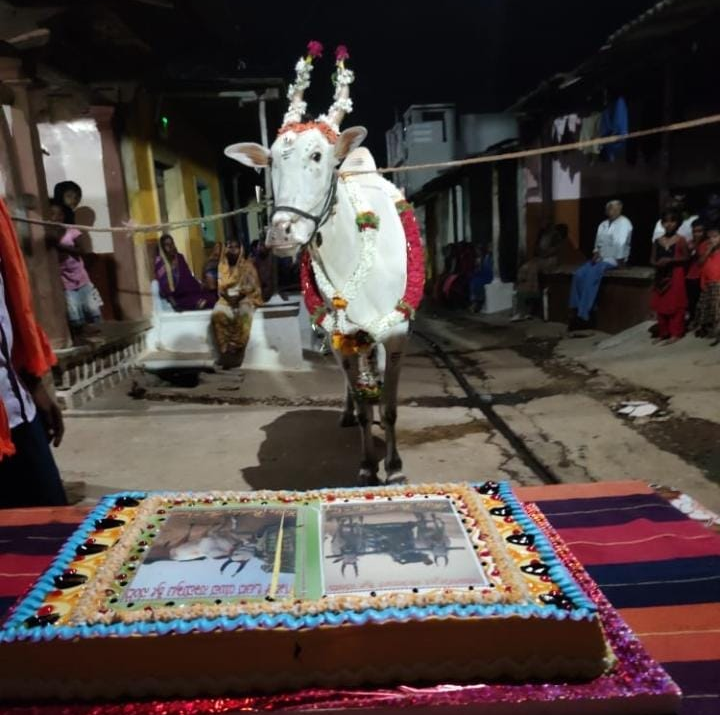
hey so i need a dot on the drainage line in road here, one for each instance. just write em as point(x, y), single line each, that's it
point(542, 471)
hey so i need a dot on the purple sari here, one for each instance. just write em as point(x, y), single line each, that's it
point(181, 288)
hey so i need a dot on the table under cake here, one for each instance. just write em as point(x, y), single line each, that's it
point(659, 569)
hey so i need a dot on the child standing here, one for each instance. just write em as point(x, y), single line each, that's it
point(708, 312)
point(698, 245)
point(80, 294)
point(669, 296)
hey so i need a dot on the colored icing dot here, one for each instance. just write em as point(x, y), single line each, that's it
point(142, 543)
point(45, 611)
point(55, 594)
point(148, 608)
point(471, 588)
point(415, 590)
point(372, 593)
point(161, 511)
point(170, 603)
point(113, 600)
point(218, 601)
point(130, 605)
point(109, 592)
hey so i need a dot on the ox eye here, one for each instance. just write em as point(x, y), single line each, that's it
point(316, 156)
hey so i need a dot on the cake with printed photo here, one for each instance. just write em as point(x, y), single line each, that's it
point(173, 594)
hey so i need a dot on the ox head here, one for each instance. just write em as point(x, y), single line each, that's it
point(304, 158)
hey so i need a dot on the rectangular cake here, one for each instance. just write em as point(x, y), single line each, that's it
point(169, 594)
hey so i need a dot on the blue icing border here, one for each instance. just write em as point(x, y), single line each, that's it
point(14, 630)
point(29, 605)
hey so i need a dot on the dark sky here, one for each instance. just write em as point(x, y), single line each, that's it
point(481, 54)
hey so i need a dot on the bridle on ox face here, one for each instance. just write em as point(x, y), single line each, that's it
point(318, 219)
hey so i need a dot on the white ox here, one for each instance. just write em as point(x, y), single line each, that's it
point(316, 207)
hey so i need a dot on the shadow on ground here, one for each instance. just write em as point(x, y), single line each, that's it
point(307, 449)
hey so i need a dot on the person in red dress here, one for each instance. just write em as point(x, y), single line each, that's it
point(670, 255)
point(708, 318)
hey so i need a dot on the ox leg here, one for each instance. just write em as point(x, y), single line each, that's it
point(348, 418)
point(393, 463)
point(364, 411)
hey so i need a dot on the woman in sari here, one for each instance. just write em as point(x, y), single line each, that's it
point(177, 284)
point(240, 294)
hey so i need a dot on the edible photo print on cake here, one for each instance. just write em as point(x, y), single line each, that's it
point(206, 554)
point(404, 545)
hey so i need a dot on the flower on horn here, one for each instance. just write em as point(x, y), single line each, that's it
point(303, 70)
point(342, 79)
point(314, 50)
point(341, 54)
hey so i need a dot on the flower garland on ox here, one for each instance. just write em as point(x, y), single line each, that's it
point(324, 313)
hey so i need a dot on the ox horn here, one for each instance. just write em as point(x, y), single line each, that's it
point(303, 70)
point(343, 79)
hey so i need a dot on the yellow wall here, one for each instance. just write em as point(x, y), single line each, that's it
point(143, 147)
point(197, 251)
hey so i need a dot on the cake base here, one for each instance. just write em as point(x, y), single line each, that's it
point(636, 685)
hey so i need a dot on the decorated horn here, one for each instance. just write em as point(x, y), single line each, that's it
point(343, 78)
point(303, 70)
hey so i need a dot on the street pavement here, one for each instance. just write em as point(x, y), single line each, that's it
point(253, 429)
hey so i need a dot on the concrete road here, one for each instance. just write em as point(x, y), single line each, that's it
point(280, 430)
point(274, 430)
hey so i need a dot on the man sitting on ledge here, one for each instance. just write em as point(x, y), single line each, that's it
point(612, 248)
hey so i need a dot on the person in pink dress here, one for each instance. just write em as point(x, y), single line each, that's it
point(80, 294)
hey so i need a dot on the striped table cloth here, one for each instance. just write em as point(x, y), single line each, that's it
point(660, 569)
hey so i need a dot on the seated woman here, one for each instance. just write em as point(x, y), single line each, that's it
point(177, 284)
point(240, 294)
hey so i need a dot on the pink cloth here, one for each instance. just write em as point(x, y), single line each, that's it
point(72, 268)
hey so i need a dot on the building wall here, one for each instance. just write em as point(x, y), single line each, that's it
point(187, 158)
point(72, 151)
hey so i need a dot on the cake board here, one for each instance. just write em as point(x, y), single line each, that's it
point(636, 685)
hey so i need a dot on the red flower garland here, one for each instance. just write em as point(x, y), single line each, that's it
point(414, 287)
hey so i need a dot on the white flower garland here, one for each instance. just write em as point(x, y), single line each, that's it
point(343, 78)
point(336, 320)
point(296, 110)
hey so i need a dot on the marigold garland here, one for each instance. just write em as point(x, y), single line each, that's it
point(298, 127)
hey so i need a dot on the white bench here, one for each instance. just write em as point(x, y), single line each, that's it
point(185, 339)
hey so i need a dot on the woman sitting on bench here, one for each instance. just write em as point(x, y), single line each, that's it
point(177, 284)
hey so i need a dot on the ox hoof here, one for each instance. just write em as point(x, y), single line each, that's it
point(348, 419)
point(368, 477)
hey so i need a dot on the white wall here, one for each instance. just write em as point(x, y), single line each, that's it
point(74, 152)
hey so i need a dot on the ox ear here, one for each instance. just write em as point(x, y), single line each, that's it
point(350, 139)
point(249, 153)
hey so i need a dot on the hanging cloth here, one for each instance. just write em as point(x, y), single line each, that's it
point(614, 121)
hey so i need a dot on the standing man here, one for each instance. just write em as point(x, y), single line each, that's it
point(612, 248)
point(29, 419)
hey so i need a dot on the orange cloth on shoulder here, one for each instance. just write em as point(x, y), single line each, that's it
point(31, 352)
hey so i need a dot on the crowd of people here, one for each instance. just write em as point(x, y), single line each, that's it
point(231, 287)
point(686, 257)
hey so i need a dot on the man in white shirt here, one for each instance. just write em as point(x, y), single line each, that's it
point(612, 248)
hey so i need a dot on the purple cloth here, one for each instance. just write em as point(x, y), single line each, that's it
point(72, 269)
point(188, 293)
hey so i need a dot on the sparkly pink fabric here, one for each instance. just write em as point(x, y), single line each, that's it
point(635, 676)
